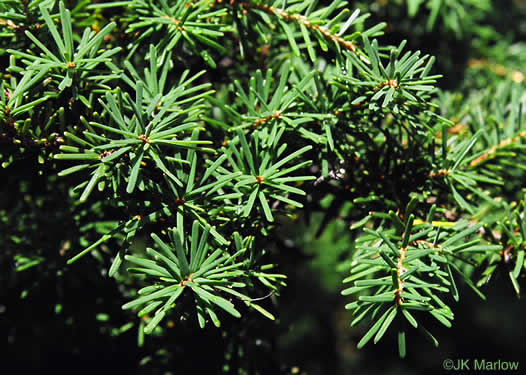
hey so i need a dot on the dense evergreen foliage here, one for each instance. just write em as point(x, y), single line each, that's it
point(206, 185)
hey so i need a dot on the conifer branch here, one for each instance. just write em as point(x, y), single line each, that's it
point(189, 225)
point(294, 18)
point(491, 153)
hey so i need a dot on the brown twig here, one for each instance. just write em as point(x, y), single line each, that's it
point(294, 17)
point(493, 150)
point(400, 271)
